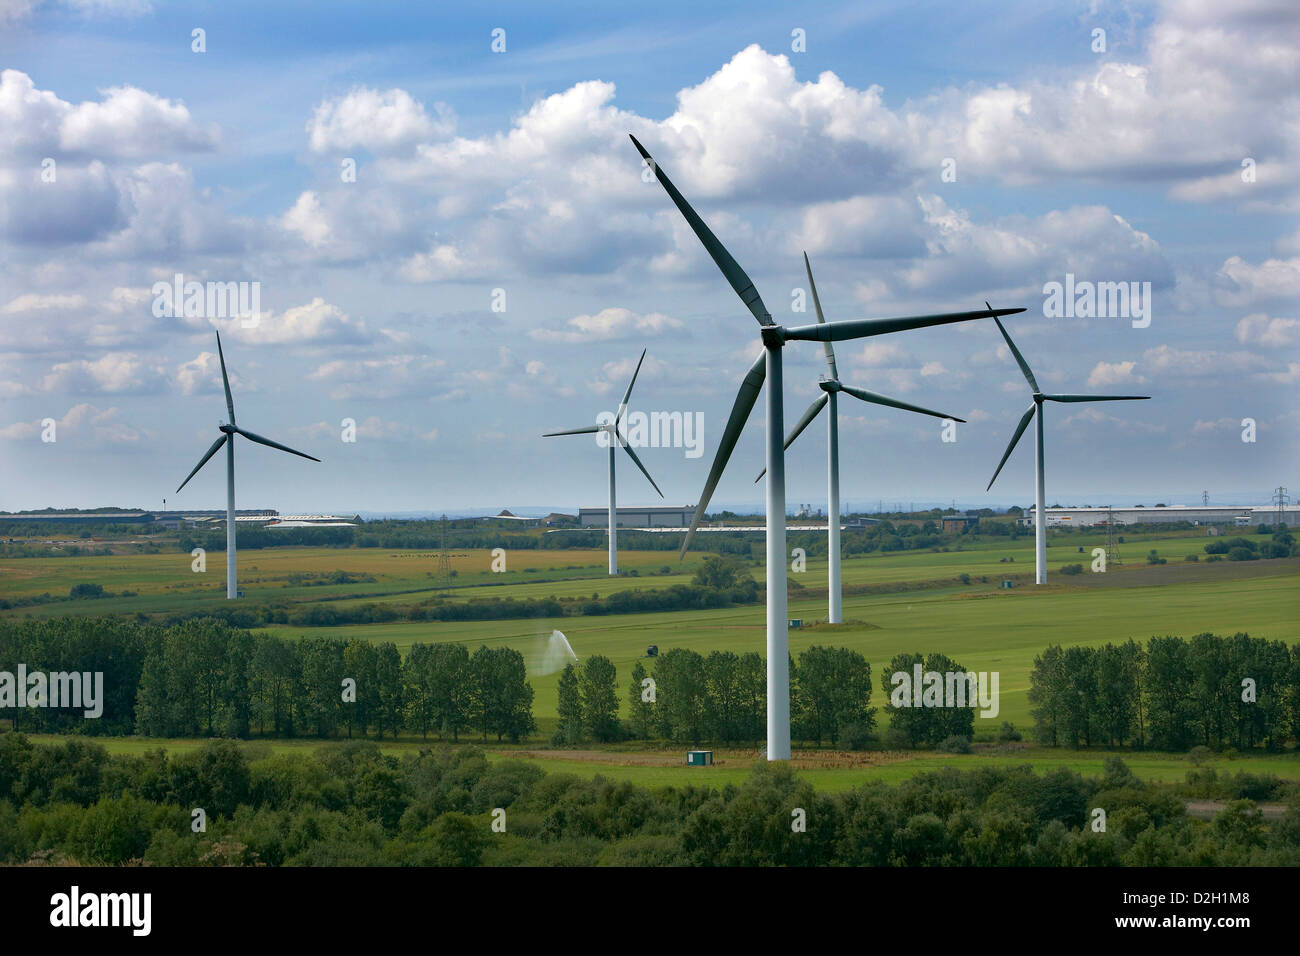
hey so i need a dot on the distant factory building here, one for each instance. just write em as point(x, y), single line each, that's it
point(959, 523)
point(1239, 516)
point(653, 517)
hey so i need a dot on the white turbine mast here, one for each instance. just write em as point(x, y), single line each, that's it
point(1035, 411)
point(228, 433)
point(768, 366)
point(614, 430)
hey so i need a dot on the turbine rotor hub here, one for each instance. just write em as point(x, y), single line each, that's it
point(773, 336)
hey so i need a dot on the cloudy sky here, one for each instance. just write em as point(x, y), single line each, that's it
point(455, 248)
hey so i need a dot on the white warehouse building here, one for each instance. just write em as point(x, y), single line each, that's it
point(1240, 516)
point(650, 517)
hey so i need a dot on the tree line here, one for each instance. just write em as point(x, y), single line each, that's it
point(205, 678)
point(349, 804)
point(1211, 691)
point(719, 698)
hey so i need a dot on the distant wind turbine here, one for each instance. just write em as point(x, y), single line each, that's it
point(831, 387)
point(614, 431)
point(228, 433)
point(1036, 411)
point(768, 366)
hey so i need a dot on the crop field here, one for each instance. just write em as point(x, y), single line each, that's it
point(826, 770)
point(165, 581)
point(893, 602)
point(983, 629)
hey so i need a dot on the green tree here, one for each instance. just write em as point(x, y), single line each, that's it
point(569, 706)
point(640, 712)
point(390, 705)
point(598, 684)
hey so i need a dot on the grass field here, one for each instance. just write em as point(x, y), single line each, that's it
point(825, 770)
point(981, 626)
point(982, 629)
point(165, 582)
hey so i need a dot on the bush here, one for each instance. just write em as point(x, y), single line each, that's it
point(1192, 557)
point(1008, 732)
point(964, 578)
point(1242, 554)
point(1072, 569)
point(86, 590)
point(897, 739)
point(856, 736)
point(954, 745)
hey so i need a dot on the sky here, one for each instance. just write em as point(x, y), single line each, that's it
point(453, 246)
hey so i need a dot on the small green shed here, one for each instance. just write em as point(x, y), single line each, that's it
point(699, 758)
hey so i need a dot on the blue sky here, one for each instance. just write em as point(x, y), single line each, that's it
point(480, 171)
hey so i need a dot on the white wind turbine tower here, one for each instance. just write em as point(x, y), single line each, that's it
point(768, 366)
point(831, 387)
point(228, 433)
point(1035, 411)
point(614, 433)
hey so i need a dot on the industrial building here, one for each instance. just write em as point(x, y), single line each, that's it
point(651, 517)
point(1239, 516)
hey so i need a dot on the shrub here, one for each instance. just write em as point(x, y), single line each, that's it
point(954, 745)
point(856, 736)
point(897, 739)
point(1072, 569)
point(1008, 732)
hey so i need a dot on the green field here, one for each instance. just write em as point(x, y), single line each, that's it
point(983, 630)
point(164, 582)
point(825, 770)
point(894, 602)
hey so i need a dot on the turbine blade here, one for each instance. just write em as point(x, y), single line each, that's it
point(1095, 398)
point(628, 448)
point(230, 402)
point(878, 399)
point(584, 430)
point(274, 444)
point(741, 282)
point(861, 328)
point(1020, 430)
point(817, 303)
point(803, 423)
point(216, 447)
point(1020, 359)
point(745, 399)
point(622, 406)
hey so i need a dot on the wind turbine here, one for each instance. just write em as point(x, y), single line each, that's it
point(831, 387)
point(228, 433)
point(1035, 411)
point(614, 431)
point(768, 365)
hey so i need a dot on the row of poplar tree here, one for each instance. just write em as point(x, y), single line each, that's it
point(1172, 694)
